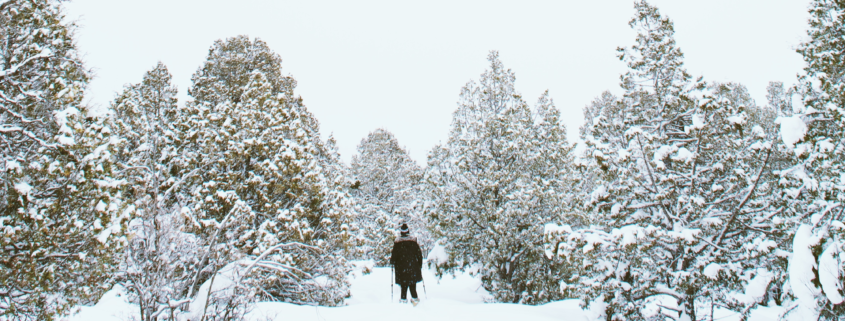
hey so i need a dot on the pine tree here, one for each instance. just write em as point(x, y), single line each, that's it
point(228, 70)
point(261, 185)
point(779, 99)
point(495, 184)
point(677, 200)
point(387, 189)
point(156, 270)
point(61, 204)
point(812, 191)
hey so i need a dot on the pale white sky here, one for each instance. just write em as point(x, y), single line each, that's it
point(400, 65)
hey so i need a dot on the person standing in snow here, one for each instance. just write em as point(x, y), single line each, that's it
point(407, 260)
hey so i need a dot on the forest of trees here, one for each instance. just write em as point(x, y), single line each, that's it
point(686, 195)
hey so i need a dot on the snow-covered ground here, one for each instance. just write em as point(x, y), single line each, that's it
point(450, 298)
point(458, 298)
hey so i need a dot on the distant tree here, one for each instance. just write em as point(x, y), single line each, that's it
point(387, 190)
point(61, 206)
point(497, 181)
point(779, 99)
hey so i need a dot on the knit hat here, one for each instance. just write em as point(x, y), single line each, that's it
point(404, 229)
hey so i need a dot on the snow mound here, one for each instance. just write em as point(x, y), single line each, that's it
point(599, 194)
point(830, 274)
point(23, 188)
point(629, 234)
point(697, 123)
point(737, 119)
point(438, 255)
point(712, 270)
point(113, 306)
point(755, 290)
point(683, 155)
point(792, 129)
point(801, 274)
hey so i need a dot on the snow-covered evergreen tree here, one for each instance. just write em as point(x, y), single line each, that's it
point(604, 126)
point(260, 183)
point(61, 207)
point(780, 98)
point(156, 270)
point(494, 185)
point(677, 217)
point(387, 192)
point(812, 190)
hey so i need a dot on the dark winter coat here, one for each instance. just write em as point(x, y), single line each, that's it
point(407, 260)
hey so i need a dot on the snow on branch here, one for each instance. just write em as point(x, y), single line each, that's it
point(5, 73)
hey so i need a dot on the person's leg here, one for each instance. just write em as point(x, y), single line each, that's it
point(413, 290)
point(405, 292)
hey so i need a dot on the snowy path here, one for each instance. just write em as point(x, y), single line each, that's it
point(459, 298)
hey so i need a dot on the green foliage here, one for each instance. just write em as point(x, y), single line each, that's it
point(61, 202)
point(388, 194)
point(156, 267)
point(259, 181)
point(810, 189)
point(495, 184)
point(677, 172)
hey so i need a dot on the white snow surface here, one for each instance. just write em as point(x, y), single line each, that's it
point(826, 146)
point(737, 119)
point(629, 234)
point(664, 151)
point(755, 290)
point(451, 298)
point(792, 129)
point(438, 255)
point(113, 306)
point(829, 274)
point(712, 270)
point(801, 275)
point(697, 123)
point(23, 188)
point(758, 131)
point(683, 155)
point(458, 297)
point(598, 194)
point(222, 286)
point(552, 228)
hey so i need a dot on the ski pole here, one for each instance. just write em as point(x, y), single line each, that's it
point(391, 283)
point(424, 291)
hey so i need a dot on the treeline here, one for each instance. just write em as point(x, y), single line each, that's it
point(686, 196)
point(161, 197)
